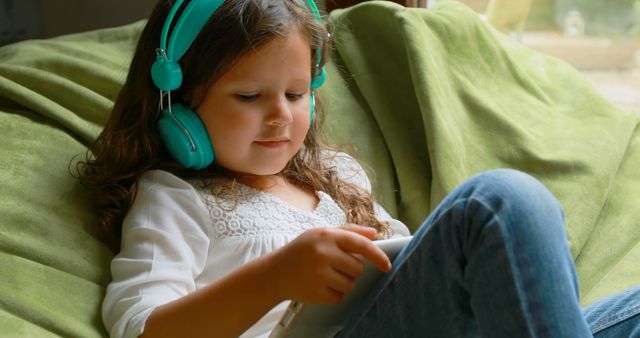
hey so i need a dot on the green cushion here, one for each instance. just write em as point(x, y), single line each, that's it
point(54, 98)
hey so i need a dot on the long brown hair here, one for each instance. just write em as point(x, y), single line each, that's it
point(130, 144)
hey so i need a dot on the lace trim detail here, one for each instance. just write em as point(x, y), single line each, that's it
point(259, 214)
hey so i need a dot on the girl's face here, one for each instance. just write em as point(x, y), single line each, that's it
point(257, 112)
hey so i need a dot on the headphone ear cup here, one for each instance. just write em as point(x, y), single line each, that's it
point(178, 129)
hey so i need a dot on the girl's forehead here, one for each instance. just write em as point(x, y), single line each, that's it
point(289, 51)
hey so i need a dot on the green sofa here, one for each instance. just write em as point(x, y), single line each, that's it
point(428, 98)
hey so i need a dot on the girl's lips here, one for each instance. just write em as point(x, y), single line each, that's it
point(272, 144)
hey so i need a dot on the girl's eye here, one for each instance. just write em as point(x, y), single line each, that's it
point(247, 98)
point(294, 96)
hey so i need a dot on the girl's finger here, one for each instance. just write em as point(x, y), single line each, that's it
point(340, 282)
point(367, 232)
point(332, 296)
point(353, 243)
point(348, 264)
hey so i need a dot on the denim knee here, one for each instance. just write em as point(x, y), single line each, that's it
point(517, 197)
point(524, 207)
point(515, 188)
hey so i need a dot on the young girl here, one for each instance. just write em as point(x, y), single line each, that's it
point(211, 179)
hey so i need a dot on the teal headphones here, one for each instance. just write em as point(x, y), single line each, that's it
point(180, 128)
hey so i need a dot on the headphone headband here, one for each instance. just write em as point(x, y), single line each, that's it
point(189, 24)
point(166, 73)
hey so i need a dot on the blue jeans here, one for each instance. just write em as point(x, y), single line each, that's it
point(490, 261)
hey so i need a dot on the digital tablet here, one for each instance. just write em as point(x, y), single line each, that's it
point(321, 320)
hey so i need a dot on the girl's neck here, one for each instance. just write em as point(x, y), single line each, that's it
point(280, 187)
point(264, 183)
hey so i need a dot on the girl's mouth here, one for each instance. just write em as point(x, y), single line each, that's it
point(272, 144)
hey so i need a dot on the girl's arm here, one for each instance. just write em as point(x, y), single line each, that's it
point(316, 267)
point(225, 308)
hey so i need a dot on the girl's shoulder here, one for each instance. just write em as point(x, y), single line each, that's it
point(347, 168)
point(166, 203)
point(339, 158)
point(163, 186)
point(160, 179)
point(165, 183)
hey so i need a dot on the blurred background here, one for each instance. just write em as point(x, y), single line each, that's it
point(601, 38)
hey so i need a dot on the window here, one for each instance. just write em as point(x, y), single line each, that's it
point(601, 38)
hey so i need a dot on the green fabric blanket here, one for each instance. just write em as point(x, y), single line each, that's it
point(428, 97)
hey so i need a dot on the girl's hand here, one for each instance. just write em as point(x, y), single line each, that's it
point(320, 266)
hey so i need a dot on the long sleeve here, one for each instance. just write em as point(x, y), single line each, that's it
point(163, 250)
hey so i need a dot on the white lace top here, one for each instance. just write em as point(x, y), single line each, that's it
point(177, 238)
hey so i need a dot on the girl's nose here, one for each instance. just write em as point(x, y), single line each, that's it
point(281, 113)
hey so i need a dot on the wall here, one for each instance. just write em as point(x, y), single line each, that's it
point(19, 20)
point(28, 19)
point(67, 16)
